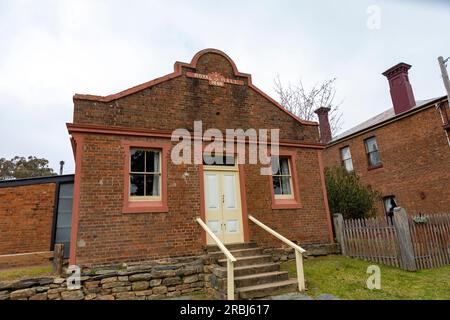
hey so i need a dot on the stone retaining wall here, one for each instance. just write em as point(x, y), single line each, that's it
point(286, 254)
point(138, 281)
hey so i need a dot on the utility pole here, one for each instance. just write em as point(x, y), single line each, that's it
point(442, 111)
point(442, 65)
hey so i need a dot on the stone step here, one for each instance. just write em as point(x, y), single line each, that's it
point(267, 289)
point(221, 272)
point(251, 280)
point(232, 246)
point(260, 278)
point(245, 261)
point(236, 253)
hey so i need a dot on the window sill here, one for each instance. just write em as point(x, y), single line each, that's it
point(285, 204)
point(145, 207)
point(375, 167)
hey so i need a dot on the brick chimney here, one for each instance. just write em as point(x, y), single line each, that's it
point(401, 91)
point(324, 124)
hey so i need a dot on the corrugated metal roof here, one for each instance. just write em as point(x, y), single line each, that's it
point(385, 115)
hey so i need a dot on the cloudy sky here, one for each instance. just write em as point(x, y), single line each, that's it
point(50, 50)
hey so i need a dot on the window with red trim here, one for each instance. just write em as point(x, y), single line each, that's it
point(284, 183)
point(145, 183)
point(281, 178)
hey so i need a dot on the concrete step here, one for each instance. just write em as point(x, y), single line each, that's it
point(267, 289)
point(260, 278)
point(221, 272)
point(236, 253)
point(232, 246)
point(245, 261)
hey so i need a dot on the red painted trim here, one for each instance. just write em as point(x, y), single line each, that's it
point(288, 203)
point(325, 197)
point(140, 87)
point(244, 203)
point(140, 132)
point(79, 145)
point(178, 72)
point(202, 200)
point(144, 206)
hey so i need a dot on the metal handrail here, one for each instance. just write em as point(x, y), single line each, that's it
point(298, 251)
point(230, 259)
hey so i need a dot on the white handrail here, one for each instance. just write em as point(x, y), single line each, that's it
point(298, 251)
point(230, 259)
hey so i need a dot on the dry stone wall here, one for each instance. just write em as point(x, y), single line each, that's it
point(139, 281)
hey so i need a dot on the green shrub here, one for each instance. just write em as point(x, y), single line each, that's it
point(347, 195)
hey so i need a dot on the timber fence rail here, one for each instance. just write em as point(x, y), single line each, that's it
point(402, 242)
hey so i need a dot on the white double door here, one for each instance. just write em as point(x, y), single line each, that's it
point(223, 210)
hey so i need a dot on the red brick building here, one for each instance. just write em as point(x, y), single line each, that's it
point(132, 202)
point(404, 152)
point(35, 213)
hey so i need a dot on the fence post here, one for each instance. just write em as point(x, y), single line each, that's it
point(338, 221)
point(403, 233)
point(58, 258)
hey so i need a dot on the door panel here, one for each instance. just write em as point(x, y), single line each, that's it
point(213, 204)
point(231, 211)
point(229, 191)
point(223, 206)
point(212, 191)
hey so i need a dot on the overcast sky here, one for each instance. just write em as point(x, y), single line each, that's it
point(50, 50)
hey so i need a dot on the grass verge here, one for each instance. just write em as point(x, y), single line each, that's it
point(346, 278)
point(25, 272)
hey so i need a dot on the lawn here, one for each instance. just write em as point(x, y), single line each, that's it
point(346, 278)
point(25, 272)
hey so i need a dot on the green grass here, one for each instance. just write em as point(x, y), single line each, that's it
point(26, 272)
point(346, 278)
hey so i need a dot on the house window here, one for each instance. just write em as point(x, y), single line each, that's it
point(145, 174)
point(389, 205)
point(346, 159)
point(281, 177)
point(283, 181)
point(373, 154)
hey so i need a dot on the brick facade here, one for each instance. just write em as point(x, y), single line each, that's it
point(415, 158)
point(149, 113)
point(26, 217)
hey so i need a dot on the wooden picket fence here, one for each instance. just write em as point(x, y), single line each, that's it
point(431, 241)
point(400, 243)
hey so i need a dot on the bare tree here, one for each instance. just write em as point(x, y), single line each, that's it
point(303, 102)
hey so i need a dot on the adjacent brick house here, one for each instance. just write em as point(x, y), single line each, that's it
point(132, 202)
point(403, 152)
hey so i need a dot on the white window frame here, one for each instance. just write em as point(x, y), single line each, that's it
point(370, 152)
point(285, 196)
point(144, 197)
point(346, 159)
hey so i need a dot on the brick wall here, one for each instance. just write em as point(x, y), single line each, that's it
point(105, 234)
point(108, 235)
point(416, 162)
point(26, 217)
point(305, 225)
